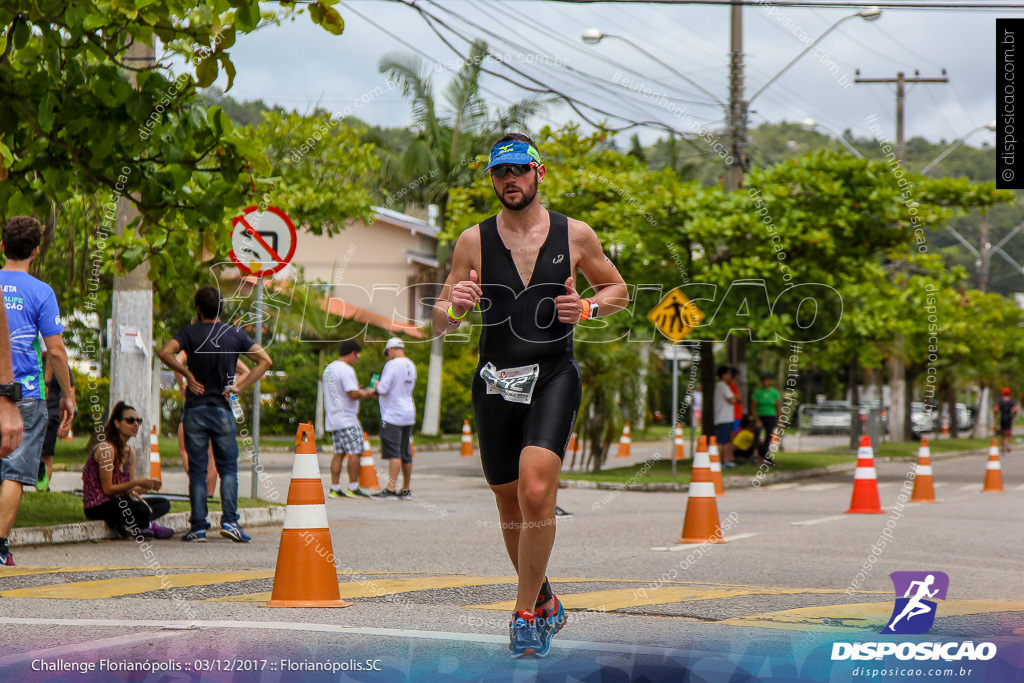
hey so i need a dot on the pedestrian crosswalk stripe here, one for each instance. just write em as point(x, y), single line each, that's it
point(33, 571)
point(110, 588)
point(860, 616)
point(819, 520)
point(373, 588)
point(623, 598)
point(821, 487)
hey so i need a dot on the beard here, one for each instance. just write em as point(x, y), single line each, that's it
point(526, 197)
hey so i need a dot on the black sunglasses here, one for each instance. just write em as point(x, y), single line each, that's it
point(517, 170)
point(132, 420)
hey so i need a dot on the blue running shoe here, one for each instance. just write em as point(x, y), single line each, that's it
point(523, 636)
point(7, 560)
point(195, 536)
point(235, 533)
point(549, 623)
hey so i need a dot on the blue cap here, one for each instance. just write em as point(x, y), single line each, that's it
point(513, 152)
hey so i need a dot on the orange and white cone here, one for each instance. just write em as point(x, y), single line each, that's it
point(412, 447)
point(865, 481)
point(573, 444)
point(701, 523)
point(624, 442)
point(945, 428)
point(680, 449)
point(154, 456)
point(70, 436)
point(993, 471)
point(924, 485)
point(716, 466)
point(467, 441)
point(306, 575)
point(367, 472)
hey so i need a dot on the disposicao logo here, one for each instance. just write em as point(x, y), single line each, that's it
point(913, 614)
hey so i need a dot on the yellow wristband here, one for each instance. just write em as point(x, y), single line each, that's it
point(453, 317)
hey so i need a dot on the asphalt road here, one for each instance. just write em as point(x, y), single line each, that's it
point(430, 582)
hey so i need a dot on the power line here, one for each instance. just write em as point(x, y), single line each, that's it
point(808, 3)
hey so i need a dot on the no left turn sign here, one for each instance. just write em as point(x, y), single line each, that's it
point(262, 242)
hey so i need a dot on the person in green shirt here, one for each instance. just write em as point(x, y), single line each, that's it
point(766, 404)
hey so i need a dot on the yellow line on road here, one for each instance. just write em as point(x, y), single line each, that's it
point(858, 616)
point(109, 588)
point(373, 588)
point(605, 601)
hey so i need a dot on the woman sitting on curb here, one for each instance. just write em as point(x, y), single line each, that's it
point(110, 490)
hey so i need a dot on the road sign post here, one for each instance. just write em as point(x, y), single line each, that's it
point(262, 243)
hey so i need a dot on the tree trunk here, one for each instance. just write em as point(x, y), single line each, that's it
point(707, 373)
point(640, 420)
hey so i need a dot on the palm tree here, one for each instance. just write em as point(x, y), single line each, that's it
point(447, 139)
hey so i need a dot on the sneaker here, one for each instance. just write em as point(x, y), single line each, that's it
point(385, 495)
point(335, 493)
point(235, 533)
point(559, 512)
point(43, 480)
point(360, 492)
point(195, 536)
point(523, 638)
point(404, 493)
point(549, 623)
point(7, 560)
point(161, 531)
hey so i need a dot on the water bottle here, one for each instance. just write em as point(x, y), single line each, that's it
point(236, 406)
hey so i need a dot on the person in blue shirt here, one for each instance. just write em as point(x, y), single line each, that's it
point(212, 348)
point(31, 312)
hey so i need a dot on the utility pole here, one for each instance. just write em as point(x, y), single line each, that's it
point(431, 425)
point(899, 395)
point(131, 368)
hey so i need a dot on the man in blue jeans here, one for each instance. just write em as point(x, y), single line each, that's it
point(213, 350)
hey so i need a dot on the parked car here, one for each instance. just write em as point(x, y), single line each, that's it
point(922, 421)
point(831, 417)
point(964, 417)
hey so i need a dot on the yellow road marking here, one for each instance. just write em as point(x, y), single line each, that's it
point(109, 588)
point(605, 601)
point(377, 588)
point(25, 571)
point(873, 615)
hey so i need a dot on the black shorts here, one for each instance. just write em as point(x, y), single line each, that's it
point(394, 441)
point(50, 438)
point(505, 428)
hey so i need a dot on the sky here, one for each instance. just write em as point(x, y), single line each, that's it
point(299, 66)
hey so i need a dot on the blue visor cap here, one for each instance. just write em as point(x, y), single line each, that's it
point(514, 152)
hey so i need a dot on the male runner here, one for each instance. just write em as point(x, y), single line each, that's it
point(526, 390)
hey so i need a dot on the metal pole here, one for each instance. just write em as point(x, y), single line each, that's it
point(256, 392)
point(675, 404)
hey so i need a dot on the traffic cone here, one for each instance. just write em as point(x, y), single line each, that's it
point(865, 481)
point(306, 575)
point(467, 441)
point(701, 523)
point(924, 486)
point(367, 472)
point(716, 466)
point(412, 447)
point(945, 428)
point(993, 471)
point(680, 449)
point(70, 436)
point(573, 445)
point(624, 442)
point(154, 456)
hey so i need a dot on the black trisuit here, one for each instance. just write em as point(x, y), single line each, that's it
point(526, 390)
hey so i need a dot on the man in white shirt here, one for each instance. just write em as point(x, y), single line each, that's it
point(724, 415)
point(341, 407)
point(397, 416)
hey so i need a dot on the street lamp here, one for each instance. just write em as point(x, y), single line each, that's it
point(593, 36)
point(991, 125)
point(867, 14)
point(811, 124)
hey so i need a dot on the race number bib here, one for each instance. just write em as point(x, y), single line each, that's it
point(514, 384)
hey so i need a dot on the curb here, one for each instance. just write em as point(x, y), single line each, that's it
point(98, 530)
point(736, 482)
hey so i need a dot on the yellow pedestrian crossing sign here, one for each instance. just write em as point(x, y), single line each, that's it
point(676, 316)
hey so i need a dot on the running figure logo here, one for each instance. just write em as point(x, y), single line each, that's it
point(914, 613)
